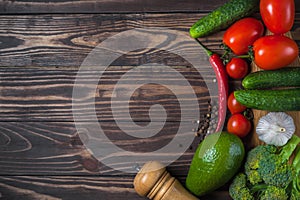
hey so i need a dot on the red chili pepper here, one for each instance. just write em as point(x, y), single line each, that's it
point(222, 79)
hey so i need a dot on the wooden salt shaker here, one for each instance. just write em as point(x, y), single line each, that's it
point(156, 183)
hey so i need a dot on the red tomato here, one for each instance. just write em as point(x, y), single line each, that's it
point(274, 52)
point(278, 15)
point(234, 106)
point(239, 36)
point(237, 68)
point(239, 125)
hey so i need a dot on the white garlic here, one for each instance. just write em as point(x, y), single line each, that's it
point(275, 128)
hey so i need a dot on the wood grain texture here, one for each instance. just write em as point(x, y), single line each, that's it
point(42, 45)
point(46, 95)
point(38, 134)
point(66, 40)
point(55, 148)
point(109, 6)
point(105, 6)
point(72, 187)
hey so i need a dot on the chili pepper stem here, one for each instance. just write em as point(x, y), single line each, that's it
point(208, 52)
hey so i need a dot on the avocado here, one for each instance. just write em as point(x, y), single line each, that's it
point(217, 159)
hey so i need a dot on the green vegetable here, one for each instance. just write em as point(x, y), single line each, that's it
point(274, 193)
point(270, 173)
point(296, 181)
point(285, 77)
point(217, 159)
point(239, 190)
point(274, 168)
point(223, 17)
point(271, 100)
point(253, 161)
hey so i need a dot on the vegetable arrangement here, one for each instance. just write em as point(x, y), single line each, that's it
point(271, 170)
point(268, 173)
point(242, 34)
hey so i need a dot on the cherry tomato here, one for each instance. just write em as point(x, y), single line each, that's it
point(239, 36)
point(278, 15)
point(234, 106)
point(274, 51)
point(239, 125)
point(237, 68)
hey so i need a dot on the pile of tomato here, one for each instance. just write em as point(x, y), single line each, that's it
point(246, 39)
point(269, 52)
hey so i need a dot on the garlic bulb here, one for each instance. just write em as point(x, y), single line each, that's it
point(275, 128)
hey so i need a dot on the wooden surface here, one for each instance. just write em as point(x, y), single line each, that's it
point(42, 45)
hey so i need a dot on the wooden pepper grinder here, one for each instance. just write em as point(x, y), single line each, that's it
point(156, 183)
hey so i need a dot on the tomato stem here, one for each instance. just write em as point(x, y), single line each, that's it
point(250, 54)
point(226, 55)
point(248, 114)
point(244, 56)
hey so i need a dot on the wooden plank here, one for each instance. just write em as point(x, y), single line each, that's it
point(76, 187)
point(66, 187)
point(54, 148)
point(66, 40)
point(46, 95)
point(109, 6)
point(105, 6)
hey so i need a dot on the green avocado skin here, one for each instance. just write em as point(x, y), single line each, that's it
point(217, 159)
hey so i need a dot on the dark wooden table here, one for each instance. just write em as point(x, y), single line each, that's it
point(42, 46)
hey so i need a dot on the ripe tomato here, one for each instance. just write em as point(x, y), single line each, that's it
point(274, 52)
point(234, 106)
point(278, 15)
point(239, 125)
point(237, 68)
point(239, 36)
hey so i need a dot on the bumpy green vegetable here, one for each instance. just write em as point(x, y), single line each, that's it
point(270, 100)
point(277, 177)
point(285, 77)
point(239, 190)
point(223, 17)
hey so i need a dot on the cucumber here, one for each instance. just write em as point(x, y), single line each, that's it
point(285, 77)
point(270, 100)
point(223, 17)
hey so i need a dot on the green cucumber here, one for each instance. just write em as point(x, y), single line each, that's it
point(285, 77)
point(223, 17)
point(270, 100)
